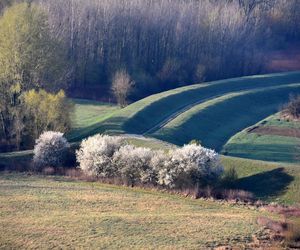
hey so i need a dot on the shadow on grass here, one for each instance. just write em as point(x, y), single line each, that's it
point(266, 184)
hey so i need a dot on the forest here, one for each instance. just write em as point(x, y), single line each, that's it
point(164, 44)
point(79, 47)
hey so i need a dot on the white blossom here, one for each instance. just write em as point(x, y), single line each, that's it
point(189, 165)
point(50, 150)
point(133, 164)
point(107, 156)
point(95, 156)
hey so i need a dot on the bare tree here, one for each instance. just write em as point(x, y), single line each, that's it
point(121, 87)
point(292, 109)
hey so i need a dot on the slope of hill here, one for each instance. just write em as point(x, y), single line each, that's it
point(210, 112)
point(151, 113)
point(87, 114)
point(215, 121)
point(273, 139)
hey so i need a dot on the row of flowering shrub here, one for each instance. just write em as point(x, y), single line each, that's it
point(110, 157)
point(106, 156)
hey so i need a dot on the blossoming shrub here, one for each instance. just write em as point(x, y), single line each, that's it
point(186, 167)
point(50, 150)
point(190, 165)
point(95, 156)
point(134, 166)
point(160, 162)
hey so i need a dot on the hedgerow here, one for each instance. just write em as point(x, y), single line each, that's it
point(108, 156)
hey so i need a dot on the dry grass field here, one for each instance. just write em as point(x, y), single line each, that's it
point(55, 212)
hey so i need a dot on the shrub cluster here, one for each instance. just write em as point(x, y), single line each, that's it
point(51, 150)
point(109, 157)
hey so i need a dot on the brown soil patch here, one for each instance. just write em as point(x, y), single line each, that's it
point(272, 130)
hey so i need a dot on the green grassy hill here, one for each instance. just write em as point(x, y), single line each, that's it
point(211, 112)
point(150, 114)
point(273, 138)
point(215, 121)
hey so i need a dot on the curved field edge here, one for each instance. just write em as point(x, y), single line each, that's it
point(149, 112)
point(215, 121)
point(31, 206)
point(267, 147)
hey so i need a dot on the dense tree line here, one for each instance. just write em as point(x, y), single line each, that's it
point(163, 43)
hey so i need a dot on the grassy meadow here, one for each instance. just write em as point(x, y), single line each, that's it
point(87, 114)
point(44, 212)
point(54, 212)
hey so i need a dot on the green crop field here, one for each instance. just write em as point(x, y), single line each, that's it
point(268, 146)
point(55, 212)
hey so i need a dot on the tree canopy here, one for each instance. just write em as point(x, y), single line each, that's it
point(30, 58)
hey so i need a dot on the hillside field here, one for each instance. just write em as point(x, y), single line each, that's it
point(211, 121)
point(272, 139)
point(215, 121)
point(210, 112)
point(55, 212)
point(273, 181)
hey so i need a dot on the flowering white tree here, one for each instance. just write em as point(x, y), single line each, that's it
point(95, 156)
point(134, 164)
point(50, 150)
point(189, 165)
